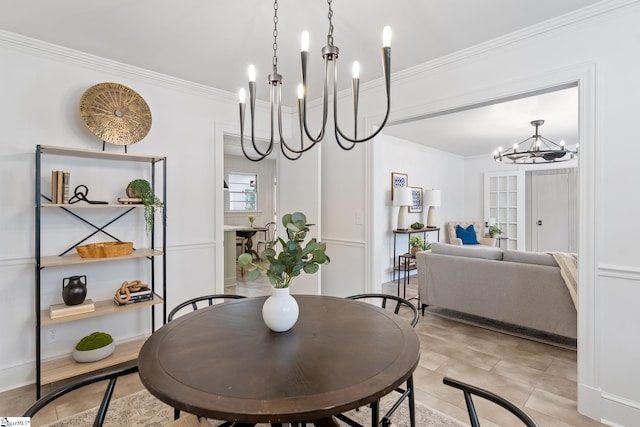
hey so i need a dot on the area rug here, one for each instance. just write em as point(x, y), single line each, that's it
point(519, 331)
point(143, 409)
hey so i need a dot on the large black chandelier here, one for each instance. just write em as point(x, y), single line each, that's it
point(330, 56)
point(535, 149)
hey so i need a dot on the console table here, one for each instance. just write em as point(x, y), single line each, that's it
point(403, 263)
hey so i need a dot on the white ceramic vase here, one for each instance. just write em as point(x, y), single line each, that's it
point(280, 310)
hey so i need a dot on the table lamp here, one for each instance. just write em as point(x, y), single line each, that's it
point(403, 198)
point(432, 198)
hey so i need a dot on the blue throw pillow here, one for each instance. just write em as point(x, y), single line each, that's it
point(468, 235)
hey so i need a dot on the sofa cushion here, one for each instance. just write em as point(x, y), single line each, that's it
point(467, 235)
point(538, 258)
point(475, 251)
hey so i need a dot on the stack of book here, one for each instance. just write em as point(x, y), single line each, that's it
point(61, 310)
point(59, 187)
point(143, 294)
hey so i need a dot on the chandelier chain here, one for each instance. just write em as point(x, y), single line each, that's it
point(275, 34)
point(330, 16)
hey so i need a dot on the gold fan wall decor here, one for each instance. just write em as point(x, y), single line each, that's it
point(115, 113)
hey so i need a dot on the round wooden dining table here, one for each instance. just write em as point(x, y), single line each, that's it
point(222, 362)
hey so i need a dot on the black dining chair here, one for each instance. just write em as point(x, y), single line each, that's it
point(408, 311)
point(111, 377)
point(469, 390)
point(193, 303)
point(269, 236)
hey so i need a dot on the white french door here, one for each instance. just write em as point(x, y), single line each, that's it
point(504, 200)
point(554, 211)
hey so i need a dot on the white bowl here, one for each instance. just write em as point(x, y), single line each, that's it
point(94, 355)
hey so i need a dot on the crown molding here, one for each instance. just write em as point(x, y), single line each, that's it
point(550, 25)
point(44, 49)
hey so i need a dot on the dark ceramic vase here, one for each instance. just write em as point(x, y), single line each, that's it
point(74, 289)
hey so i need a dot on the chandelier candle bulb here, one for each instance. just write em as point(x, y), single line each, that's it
point(386, 36)
point(304, 41)
point(300, 91)
point(252, 73)
point(242, 95)
point(356, 90)
point(356, 70)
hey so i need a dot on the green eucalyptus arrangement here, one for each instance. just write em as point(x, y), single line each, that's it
point(293, 257)
point(494, 230)
point(141, 189)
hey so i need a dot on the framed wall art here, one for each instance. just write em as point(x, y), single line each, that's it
point(398, 180)
point(416, 196)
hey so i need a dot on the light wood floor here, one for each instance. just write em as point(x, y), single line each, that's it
point(539, 378)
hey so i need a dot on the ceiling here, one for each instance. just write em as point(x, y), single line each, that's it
point(481, 130)
point(212, 42)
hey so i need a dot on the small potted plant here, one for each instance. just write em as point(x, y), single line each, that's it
point(280, 311)
point(417, 243)
point(494, 230)
point(293, 258)
point(140, 188)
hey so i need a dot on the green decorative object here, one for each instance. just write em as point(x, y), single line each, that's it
point(494, 230)
point(94, 341)
point(417, 243)
point(140, 188)
point(293, 258)
point(417, 225)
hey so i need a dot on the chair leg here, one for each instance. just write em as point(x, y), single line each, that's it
point(412, 402)
point(176, 413)
point(243, 247)
point(471, 409)
point(104, 406)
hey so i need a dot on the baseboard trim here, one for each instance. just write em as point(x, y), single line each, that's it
point(618, 411)
point(607, 408)
point(589, 400)
point(18, 375)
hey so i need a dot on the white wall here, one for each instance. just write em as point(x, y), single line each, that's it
point(594, 47)
point(299, 187)
point(41, 86)
point(427, 168)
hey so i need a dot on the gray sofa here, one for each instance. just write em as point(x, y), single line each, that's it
point(520, 288)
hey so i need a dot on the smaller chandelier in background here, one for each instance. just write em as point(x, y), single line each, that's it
point(536, 149)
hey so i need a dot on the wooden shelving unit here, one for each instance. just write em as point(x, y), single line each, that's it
point(66, 367)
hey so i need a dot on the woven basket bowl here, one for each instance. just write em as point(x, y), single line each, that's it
point(105, 249)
